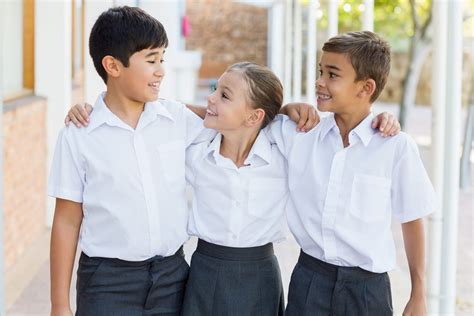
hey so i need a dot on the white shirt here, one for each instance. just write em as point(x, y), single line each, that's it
point(342, 199)
point(131, 183)
point(237, 207)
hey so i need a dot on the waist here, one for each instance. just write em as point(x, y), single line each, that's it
point(234, 253)
point(334, 271)
point(125, 263)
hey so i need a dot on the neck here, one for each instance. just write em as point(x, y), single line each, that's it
point(127, 110)
point(346, 122)
point(236, 145)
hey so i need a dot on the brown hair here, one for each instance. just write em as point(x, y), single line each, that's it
point(369, 55)
point(265, 89)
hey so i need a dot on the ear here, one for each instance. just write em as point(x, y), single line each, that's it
point(112, 66)
point(256, 117)
point(368, 88)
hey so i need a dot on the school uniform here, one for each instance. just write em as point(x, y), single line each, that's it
point(131, 185)
point(341, 204)
point(237, 214)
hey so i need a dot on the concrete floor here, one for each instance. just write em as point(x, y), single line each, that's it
point(28, 281)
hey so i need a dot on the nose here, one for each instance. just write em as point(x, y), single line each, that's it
point(160, 70)
point(210, 97)
point(320, 82)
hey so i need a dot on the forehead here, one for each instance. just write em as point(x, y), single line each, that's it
point(339, 60)
point(233, 80)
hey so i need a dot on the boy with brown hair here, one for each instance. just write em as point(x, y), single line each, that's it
point(346, 181)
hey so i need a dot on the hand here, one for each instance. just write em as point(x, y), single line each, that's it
point(303, 114)
point(61, 311)
point(387, 124)
point(415, 307)
point(79, 115)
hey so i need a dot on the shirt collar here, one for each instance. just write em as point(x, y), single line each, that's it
point(364, 130)
point(102, 114)
point(261, 148)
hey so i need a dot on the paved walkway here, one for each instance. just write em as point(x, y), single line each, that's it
point(28, 282)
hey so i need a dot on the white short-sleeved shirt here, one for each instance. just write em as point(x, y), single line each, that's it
point(131, 183)
point(342, 199)
point(237, 207)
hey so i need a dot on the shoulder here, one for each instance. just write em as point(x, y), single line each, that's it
point(174, 107)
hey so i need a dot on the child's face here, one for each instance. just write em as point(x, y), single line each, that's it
point(141, 80)
point(336, 88)
point(227, 107)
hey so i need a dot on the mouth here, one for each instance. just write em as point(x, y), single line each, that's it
point(210, 112)
point(155, 85)
point(323, 97)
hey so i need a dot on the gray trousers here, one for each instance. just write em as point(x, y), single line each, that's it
point(115, 287)
point(320, 288)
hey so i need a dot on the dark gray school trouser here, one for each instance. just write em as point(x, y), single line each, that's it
point(115, 287)
point(320, 288)
point(228, 281)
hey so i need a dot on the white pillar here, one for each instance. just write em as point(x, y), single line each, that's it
point(297, 52)
point(368, 16)
point(53, 28)
point(93, 84)
point(451, 161)
point(288, 95)
point(311, 53)
point(333, 17)
point(2, 256)
point(438, 101)
point(276, 47)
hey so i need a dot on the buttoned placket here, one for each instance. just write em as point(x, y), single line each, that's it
point(149, 190)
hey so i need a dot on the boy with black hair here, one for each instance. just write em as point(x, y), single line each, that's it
point(131, 232)
point(346, 181)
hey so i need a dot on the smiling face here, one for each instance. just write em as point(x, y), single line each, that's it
point(228, 107)
point(337, 88)
point(141, 80)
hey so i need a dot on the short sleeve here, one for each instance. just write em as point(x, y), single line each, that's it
point(195, 130)
point(67, 176)
point(282, 131)
point(413, 196)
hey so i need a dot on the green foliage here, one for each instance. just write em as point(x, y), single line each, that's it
point(392, 18)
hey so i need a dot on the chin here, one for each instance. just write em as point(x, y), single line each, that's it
point(208, 123)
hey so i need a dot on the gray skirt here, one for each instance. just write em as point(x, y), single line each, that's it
point(233, 281)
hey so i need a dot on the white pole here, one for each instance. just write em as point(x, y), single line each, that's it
point(368, 16)
point(311, 53)
point(333, 15)
point(298, 52)
point(2, 256)
point(288, 95)
point(451, 165)
point(276, 47)
point(438, 101)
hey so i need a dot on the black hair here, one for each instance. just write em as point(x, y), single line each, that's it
point(122, 31)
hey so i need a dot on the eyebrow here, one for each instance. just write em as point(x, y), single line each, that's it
point(153, 54)
point(331, 67)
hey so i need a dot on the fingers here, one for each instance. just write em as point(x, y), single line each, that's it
point(78, 115)
point(312, 121)
point(67, 120)
point(394, 129)
point(383, 123)
point(304, 114)
point(293, 114)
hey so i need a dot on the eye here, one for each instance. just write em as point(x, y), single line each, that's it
point(151, 62)
point(162, 61)
point(332, 75)
point(320, 73)
point(224, 96)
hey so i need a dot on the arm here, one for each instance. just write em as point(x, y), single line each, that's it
point(198, 110)
point(414, 239)
point(387, 124)
point(303, 114)
point(64, 236)
point(79, 115)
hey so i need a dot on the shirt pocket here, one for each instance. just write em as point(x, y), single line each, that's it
point(172, 162)
point(370, 197)
point(267, 197)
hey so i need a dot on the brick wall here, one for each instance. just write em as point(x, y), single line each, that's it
point(226, 32)
point(24, 170)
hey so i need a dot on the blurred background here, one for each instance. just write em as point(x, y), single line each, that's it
point(45, 68)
